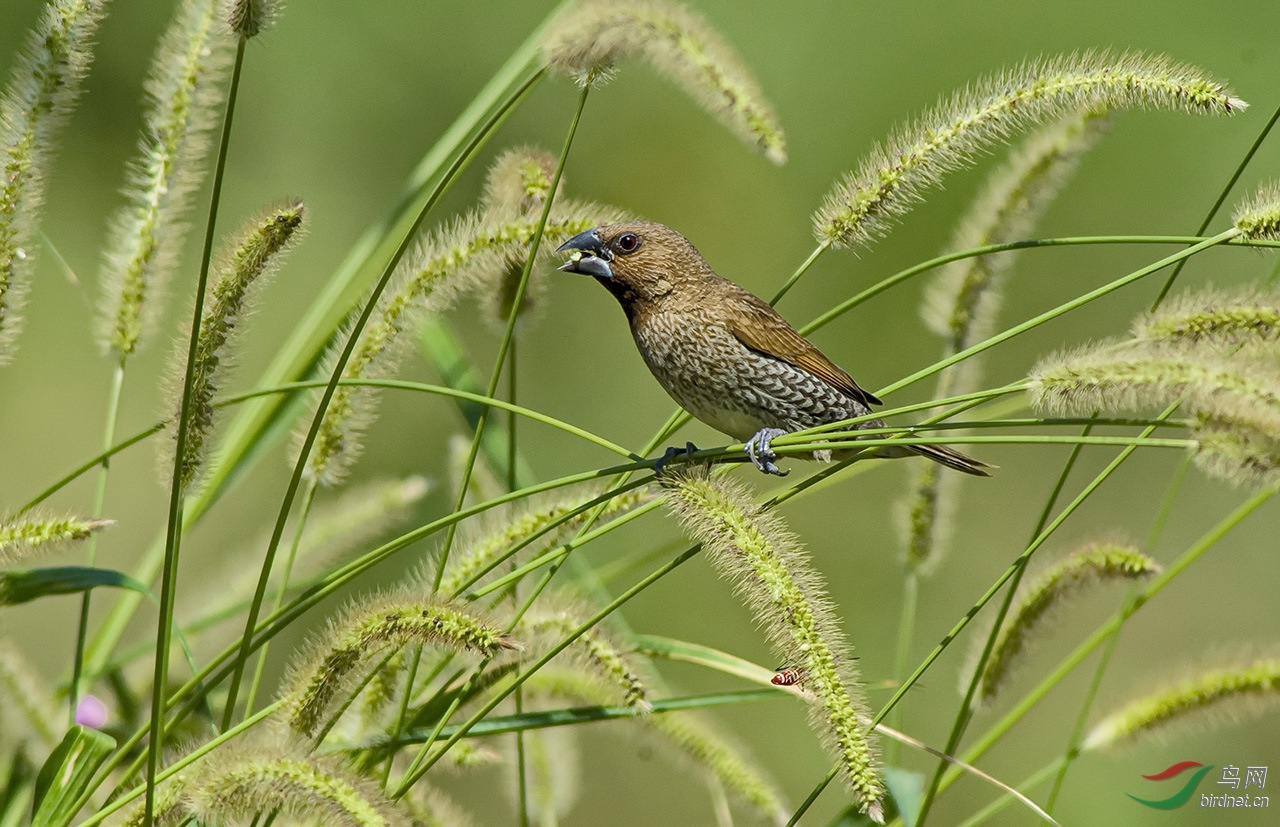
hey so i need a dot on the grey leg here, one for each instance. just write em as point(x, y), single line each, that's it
point(762, 456)
point(671, 453)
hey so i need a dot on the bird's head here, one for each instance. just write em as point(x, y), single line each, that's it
point(637, 261)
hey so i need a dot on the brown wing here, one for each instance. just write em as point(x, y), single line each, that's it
point(759, 327)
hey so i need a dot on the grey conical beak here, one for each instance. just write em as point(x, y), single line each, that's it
point(590, 257)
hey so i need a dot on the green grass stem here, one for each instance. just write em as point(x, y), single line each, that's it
point(173, 538)
point(517, 303)
point(91, 550)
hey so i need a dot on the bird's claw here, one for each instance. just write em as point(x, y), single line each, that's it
point(762, 456)
point(671, 453)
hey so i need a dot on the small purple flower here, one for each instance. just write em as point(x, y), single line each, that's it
point(91, 712)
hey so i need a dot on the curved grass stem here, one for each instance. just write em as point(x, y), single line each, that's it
point(1217, 205)
point(307, 499)
point(91, 551)
point(173, 534)
point(517, 303)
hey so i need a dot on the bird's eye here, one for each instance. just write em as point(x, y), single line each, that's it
point(628, 242)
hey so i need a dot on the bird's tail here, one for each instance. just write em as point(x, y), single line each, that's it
point(953, 459)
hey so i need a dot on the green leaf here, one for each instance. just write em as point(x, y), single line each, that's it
point(907, 789)
point(19, 586)
point(67, 773)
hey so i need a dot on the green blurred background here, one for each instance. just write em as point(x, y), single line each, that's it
point(341, 100)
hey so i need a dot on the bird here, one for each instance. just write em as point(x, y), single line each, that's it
point(722, 353)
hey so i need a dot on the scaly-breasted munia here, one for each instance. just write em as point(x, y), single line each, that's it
point(722, 353)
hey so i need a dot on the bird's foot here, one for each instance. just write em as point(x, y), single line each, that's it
point(762, 456)
point(671, 453)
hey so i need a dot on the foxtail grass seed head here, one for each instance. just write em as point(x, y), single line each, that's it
point(1233, 397)
point(249, 18)
point(257, 251)
point(1110, 378)
point(1258, 217)
point(518, 184)
point(37, 101)
point(594, 650)
point(926, 517)
point(368, 629)
point(1243, 688)
point(1213, 318)
point(519, 181)
point(183, 96)
point(895, 174)
point(309, 788)
point(27, 711)
point(447, 263)
point(23, 537)
point(771, 570)
point(962, 301)
point(1092, 564)
point(1237, 452)
point(171, 807)
point(589, 39)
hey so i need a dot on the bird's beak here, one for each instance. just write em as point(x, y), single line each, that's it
point(589, 255)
